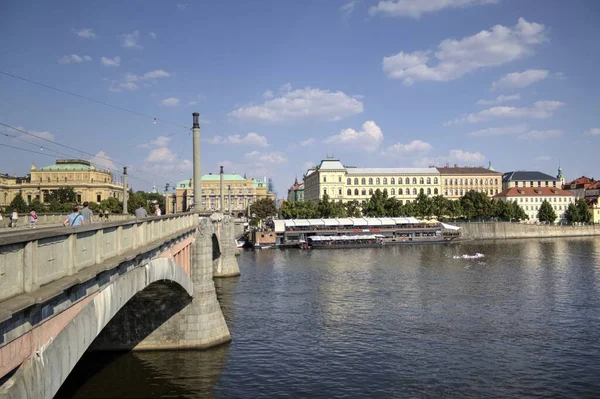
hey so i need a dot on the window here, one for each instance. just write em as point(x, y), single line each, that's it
point(435, 180)
point(324, 179)
point(363, 181)
point(496, 181)
point(445, 192)
point(399, 180)
point(539, 183)
point(324, 191)
point(371, 181)
point(456, 182)
point(99, 198)
point(414, 181)
point(435, 191)
point(399, 191)
point(460, 182)
point(49, 180)
point(339, 191)
point(348, 181)
point(429, 180)
point(370, 191)
point(339, 179)
point(553, 184)
point(461, 191)
point(364, 191)
point(531, 183)
point(377, 181)
point(392, 181)
point(446, 182)
point(546, 183)
point(414, 191)
point(356, 191)
point(516, 184)
point(393, 191)
point(421, 191)
point(78, 197)
point(385, 180)
point(385, 191)
point(428, 191)
point(28, 198)
point(422, 181)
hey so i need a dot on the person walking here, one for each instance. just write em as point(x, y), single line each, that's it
point(14, 218)
point(157, 211)
point(74, 218)
point(141, 213)
point(87, 213)
point(32, 219)
point(1, 218)
point(106, 215)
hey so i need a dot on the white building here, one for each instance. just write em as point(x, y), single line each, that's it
point(530, 199)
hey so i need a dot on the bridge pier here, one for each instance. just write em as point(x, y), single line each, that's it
point(225, 264)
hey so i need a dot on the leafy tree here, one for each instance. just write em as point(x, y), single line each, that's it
point(136, 200)
point(307, 210)
point(423, 205)
point(19, 204)
point(151, 199)
point(393, 207)
point(572, 214)
point(353, 209)
point(325, 207)
point(63, 195)
point(585, 214)
point(375, 206)
point(455, 209)
point(112, 205)
point(338, 210)
point(440, 206)
point(518, 211)
point(94, 207)
point(546, 212)
point(263, 208)
point(409, 209)
point(476, 205)
point(37, 206)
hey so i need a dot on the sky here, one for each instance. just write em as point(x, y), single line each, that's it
point(282, 84)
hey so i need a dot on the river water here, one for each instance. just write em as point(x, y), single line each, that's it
point(404, 321)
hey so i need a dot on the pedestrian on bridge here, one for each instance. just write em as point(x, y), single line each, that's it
point(87, 213)
point(14, 218)
point(74, 219)
point(141, 213)
point(32, 219)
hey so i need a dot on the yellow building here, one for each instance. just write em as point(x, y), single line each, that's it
point(241, 190)
point(90, 184)
point(342, 183)
point(457, 180)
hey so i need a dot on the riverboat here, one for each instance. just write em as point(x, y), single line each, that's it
point(344, 241)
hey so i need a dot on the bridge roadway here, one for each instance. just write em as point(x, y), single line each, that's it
point(137, 284)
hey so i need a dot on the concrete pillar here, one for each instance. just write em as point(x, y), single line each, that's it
point(222, 207)
point(226, 265)
point(229, 199)
point(197, 175)
point(125, 192)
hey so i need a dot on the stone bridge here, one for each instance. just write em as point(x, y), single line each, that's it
point(140, 284)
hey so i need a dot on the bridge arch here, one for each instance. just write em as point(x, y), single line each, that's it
point(42, 375)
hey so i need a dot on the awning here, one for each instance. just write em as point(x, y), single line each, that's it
point(343, 221)
point(279, 226)
point(449, 226)
point(331, 222)
point(290, 223)
point(373, 222)
point(316, 222)
point(387, 222)
point(301, 222)
point(401, 220)
point(359, 222)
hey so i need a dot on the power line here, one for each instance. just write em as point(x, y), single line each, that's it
point(92, 100)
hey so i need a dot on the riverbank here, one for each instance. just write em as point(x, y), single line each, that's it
point(505, 231)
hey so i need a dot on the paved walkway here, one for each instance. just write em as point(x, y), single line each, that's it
point(4, 230)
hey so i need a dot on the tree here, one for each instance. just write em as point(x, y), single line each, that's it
point(375, 206)
point(325, 207)
point(37, 206)
point(585, 214)
point(455, 209)
point(19, 204)
point(263, 208)
point(353, 209)
point(546, 213)
point(572, 214)
point(393, 207)
point(136, 200)
point(63, 195)
point(423, 205)
point(338, 210)
point(518, 211)
point(111, 205)
point(476, 205)
point(440, 206)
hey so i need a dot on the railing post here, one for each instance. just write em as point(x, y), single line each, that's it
point(99, 242)
point(30, 267)
point(72, 255)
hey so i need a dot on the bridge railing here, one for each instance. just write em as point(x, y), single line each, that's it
point(32, 259)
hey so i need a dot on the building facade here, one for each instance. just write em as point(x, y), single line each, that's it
point(296, 192)
point(90, 184)
point(531, 198)
point(457, 180)
point(531, 179)
point(341, 183)
point(237, 190)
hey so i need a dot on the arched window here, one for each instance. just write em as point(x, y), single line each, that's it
point(363, 181)
point(349, 192)
point(324, 179)
point(364, 191)
point(446, 182)
point(428, 191)
point(435, 180)
point(356, 181)
point(470, 182)
point(495, 181)
point(385, 180)
point(414, 180)
point(435, 191)
point(370, 191)
point(429, 180)
point(421, 191)
point(461, 191)
point(49, 180)
point(66, 180)
point(340, 191)
point(399, 180)
point(422, 181)
point(481, 182)
point(348, 181)
point(377, 181)
point(324, 191)
point(414, 191)
point(385, 191)
point(393, 191)
point(399, 191)
point(392, 181)
point(371, 181)
point(486, 182)
point(339, 179)
point(445, 192)
point(460, 182)
point(356, 191)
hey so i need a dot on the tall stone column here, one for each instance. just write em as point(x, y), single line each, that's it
point(197, 171)
point(125, 192)
point(226, 264)
point(222, 206)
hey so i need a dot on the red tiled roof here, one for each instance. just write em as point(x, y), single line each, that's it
point(534, 191)
point(581, 180)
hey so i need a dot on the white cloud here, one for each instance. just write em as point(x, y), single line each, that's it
point(111, 62)
point(416, 8)
point(455, 58)
point(268, 94)
point(86, 33)
point(127, 82)
point(348, 8)
point(251, 139)
point(301, 104)
point(170, 102)
point(543, 158)
point(593, 132)
point(193, 103)
point(500, 99)
point(131, 40)
point(413, 148)
point(470, 158)
point(32, 137)
point(541, 134)
point(521, 79)
point(499, 131)
point(274, 158)
point(103, 161)
point(161, 155)
point(161, 141)
point(308, 142)
point(539, 110)
point(74, 58)
point(369, 138)
point(152, 35)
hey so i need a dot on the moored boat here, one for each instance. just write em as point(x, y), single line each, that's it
point(344, 241)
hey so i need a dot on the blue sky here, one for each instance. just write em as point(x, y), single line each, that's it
point(282, 84)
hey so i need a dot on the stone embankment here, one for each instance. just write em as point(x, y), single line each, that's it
point(505, 230)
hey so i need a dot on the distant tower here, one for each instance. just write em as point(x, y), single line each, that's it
point(490, 167)
point(560, 175)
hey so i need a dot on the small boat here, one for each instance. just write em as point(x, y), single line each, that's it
point(240, 243)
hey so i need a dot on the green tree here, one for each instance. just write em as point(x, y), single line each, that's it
point(94, 207)
point(353, 209)
point(518, 211)
point(572, 214)
point(423, 205)
point(37, 206)
point(409, 209)
point(19, 204)
point(585, 214)
point(375, 206)
point(476, 205)
point(546, 213)
point(338, 210)
point(263, 208)
point(325, 207)
point(454, 209)
point(393, 207)
point(135, 200)
point(112, 205)
point(307, 210)
point(440, 206)
point(64, 195)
